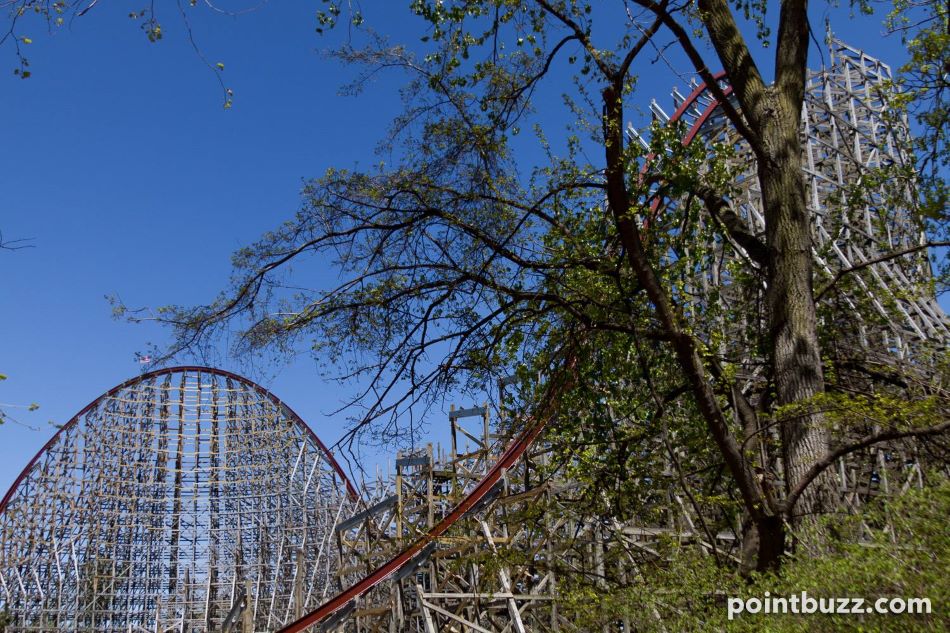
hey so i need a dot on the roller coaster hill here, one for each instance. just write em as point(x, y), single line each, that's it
point(192, 499)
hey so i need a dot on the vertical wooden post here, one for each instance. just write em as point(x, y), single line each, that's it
point(454, 456)
point(247, 616)
point(399, 501)
point(430, 501)
point(298, 586)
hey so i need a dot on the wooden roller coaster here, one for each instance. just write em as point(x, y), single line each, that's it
point(191, 499)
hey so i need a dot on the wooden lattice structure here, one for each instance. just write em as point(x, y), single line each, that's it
point(187, 499)
point(861, 197)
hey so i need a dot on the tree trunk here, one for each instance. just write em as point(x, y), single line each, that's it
point(796, 356)
point(763, 544)
point(771, 123)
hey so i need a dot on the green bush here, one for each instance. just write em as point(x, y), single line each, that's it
point(901, 549)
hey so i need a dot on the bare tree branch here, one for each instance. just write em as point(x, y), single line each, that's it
point(788, 506)
point(15, 244)
point(876, 260)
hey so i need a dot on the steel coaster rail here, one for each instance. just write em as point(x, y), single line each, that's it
point(343, 601)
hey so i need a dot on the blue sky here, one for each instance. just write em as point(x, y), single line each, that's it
point(121, 165)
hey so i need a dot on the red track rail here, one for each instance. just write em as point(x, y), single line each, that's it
point(694, 130)
point(351, 491)
point(514, 452)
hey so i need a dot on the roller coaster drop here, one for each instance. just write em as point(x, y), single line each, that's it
point(191, 499)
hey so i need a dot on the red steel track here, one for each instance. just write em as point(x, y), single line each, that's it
point(697, 124)
point(514, 451)
point(691, 99)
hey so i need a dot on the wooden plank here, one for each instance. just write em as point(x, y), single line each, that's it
point(467, 413)
point(362, 516)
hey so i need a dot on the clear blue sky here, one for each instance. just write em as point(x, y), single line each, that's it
point(119, 162)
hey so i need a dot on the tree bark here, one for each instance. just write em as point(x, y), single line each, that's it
point(774, 117)
point(796, 355)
